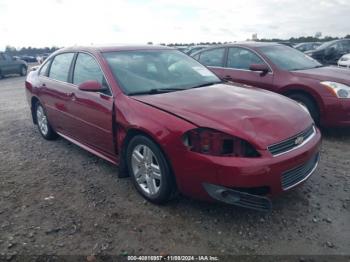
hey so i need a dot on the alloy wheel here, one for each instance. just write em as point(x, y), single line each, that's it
point(42, 120)
point(146, 170)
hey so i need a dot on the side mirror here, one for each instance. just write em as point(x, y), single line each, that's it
point(264, 69)
point(91, 86)
point(34, 68)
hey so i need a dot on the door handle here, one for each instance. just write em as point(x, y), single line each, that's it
point(227, 78)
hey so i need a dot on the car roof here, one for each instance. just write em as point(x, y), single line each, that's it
point(243, 44)
point(111, 48)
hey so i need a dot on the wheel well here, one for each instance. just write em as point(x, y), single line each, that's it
point(32, 108)
point(123, 170)
point(308, 95)
point(129, 135)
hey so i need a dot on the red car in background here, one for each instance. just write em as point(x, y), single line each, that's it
point(323, 90)
point(173, 125)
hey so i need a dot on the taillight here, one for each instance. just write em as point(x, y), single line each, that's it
point(212, 142)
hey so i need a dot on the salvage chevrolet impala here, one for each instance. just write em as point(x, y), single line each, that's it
point(172, 125)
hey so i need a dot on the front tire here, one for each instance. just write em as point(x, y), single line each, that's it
point(308, 104)
point(149, 170)
point(44, 126)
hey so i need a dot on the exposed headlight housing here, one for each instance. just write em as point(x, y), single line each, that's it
point(340, 90)
point(212, 142)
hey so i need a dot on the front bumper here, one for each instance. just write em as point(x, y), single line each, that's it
point(337, 112)
point(240, 197)
point(255, 176)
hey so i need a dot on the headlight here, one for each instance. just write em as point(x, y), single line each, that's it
point(344, 58)
point(211, 142)
point(340, 90)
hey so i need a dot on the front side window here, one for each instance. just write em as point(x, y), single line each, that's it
point(146, 70)
point(212, 57)
point(287, 58)
point(60, 66)
point(241, 58)
point(86, 68)
point(345, 46)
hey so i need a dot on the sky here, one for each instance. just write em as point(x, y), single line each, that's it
point(40, 23)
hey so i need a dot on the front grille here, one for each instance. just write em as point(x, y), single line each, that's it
point(299, 174)
point(292, 142)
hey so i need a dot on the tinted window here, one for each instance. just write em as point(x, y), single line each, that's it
point(86, 68)
point(7, 57)
point(346, 46)
point(289, 58)
point(142, 71)
point(60, 67)
point(241, 58)
point(212, 57)
point(43, 70)
point(1, 57)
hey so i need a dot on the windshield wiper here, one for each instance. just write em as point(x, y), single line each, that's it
point(154, 91)
point(206, 84)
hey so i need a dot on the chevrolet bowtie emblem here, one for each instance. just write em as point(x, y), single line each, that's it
point(299, 140)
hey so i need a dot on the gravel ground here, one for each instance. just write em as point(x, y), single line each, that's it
point(56, 198)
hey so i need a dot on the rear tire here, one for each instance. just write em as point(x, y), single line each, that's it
point(308, 103)
point(23, 71)
point(43, 124)
point(149, 170)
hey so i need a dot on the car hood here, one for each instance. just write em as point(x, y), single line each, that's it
point(258, 116)
point(326, 73)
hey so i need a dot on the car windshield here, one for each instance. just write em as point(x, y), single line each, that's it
point(155, 71)
point(288, 58)
point(326, 44)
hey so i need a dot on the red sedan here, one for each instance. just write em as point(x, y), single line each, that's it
point(172, 125)
point(323, 90)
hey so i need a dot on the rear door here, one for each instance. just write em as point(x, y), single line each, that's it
point(214, 59)
point(238, 62)
point(91, 111)
point(55, 91)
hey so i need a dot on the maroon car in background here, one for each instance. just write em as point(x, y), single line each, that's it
point(323, 90)
point(173, 125)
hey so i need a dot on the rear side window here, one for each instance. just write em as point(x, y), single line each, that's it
point(86, 68)
point(241, 58)
point(59, 69)
point(43, 70)
point(212, 57)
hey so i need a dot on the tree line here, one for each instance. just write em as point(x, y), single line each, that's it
point(33, 51)
point(292, 40)
point(30, 51)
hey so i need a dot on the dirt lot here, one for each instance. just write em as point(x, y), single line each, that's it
point(56, 198)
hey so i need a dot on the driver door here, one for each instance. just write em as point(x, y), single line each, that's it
point(237, 69)
point(92, 111)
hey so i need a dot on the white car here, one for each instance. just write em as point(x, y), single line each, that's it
point(344, 61)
